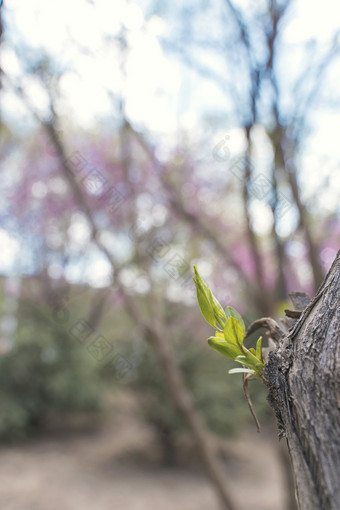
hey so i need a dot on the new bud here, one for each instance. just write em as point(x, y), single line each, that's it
point(211, 309)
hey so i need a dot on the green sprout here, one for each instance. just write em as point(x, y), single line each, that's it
point(230, 331)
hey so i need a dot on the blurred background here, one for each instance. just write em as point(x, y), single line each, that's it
point(139, 138)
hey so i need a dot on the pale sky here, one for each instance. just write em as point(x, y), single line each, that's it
point(153, 82)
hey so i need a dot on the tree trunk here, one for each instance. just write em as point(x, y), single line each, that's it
point(184, 403)
point(167, 443)
point(288, 477)
point(303, 376)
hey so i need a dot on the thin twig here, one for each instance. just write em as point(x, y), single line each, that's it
point(293, 314)
point(248, 399)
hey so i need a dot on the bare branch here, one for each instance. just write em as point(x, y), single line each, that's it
point(276, 332)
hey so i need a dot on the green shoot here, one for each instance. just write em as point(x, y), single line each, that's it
point(230, 331)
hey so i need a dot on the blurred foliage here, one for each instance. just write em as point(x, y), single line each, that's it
point(45, 372)
point(49, 372)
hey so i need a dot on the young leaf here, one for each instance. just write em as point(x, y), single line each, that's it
point(241, 358)
point(241, 370)
point(250, 361)
point(259, 349)
point(244, 360)
point(233, 332)
point(219, 312)
point(253, 358)
point(231, 312)
point(220, 345)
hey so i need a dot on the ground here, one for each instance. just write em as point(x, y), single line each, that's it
point(116, 468)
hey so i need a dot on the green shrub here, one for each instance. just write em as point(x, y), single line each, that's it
point(46, 372)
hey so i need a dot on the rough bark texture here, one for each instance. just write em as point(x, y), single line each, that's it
point(303, 376)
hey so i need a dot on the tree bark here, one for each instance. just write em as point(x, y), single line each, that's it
point(303, 376)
